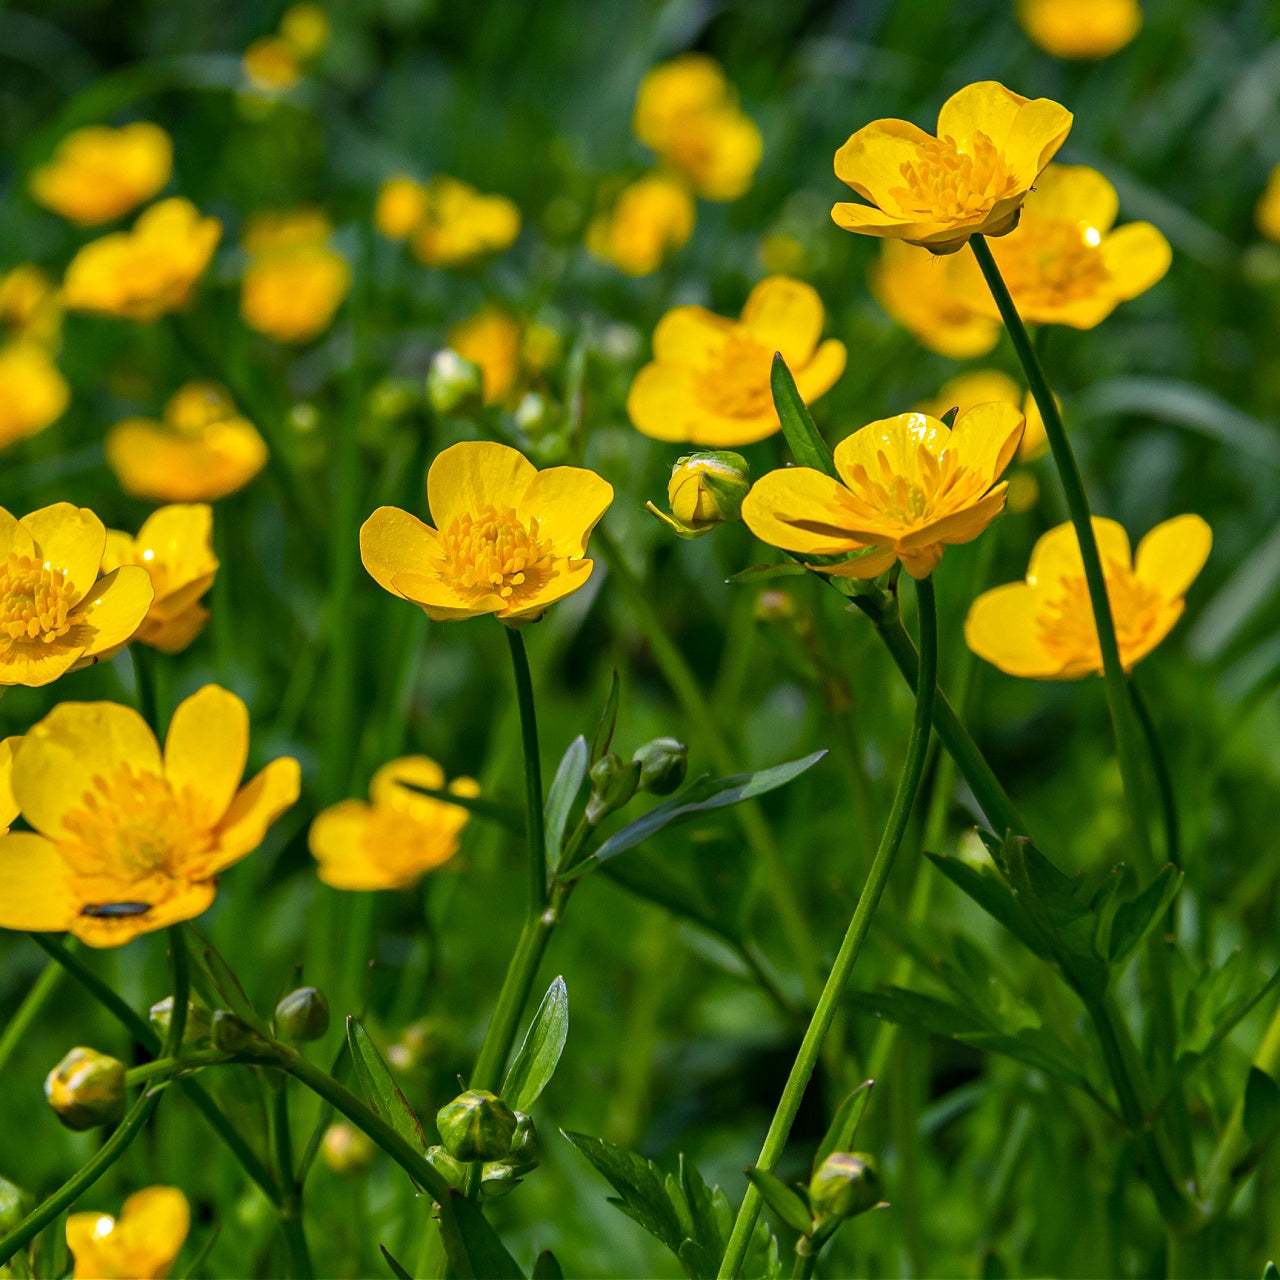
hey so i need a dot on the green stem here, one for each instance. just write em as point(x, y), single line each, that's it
point(810, 1048)
point(1164, 779)
point(535, 828)
point(27, 1012)
point(291, 1219)
point(806, 1260)
point(128, 1129)
point(159, 1069)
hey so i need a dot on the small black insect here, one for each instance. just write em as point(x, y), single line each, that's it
point(115, 910)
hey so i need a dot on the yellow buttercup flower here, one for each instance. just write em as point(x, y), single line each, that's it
point(392, 842)
point(126, 840)
point(1080, 28)
point(1064, 264)
point(459, 223)
point(1044, 627)
point(98, 173)
point(914, 287)
point(55, 612)
point(709, 379)
point(203, 449)
point(146, 272)
point(908, 488)
point(272, 65)
point(980, 386)
point(650, 219)
point(971, 179)
point(139, 1245)
point(509, 540)
point(306, 28)
point(295, 280)
point(175, 547)
point(30, 308)
point(491, 339)
point(688, 113)
point(401, 207)
point(33, 394)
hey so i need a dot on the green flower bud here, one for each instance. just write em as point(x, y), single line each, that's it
point(86, 1089)
point(198, 1026)
point(302, 1015)
point(534, 414)
point(526, 1146)
point(231, 1035)
point(476, 1125)
point(499, 1179)
point(613, 783)
point(453, 1171)
point(13, 1206)
point(454, 385)
point(663, 764)
point(706, 489)
point(346, 1149)
point(846, 1184)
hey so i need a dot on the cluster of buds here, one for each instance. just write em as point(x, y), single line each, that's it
point(478, 1127)
point(658, 768)
point(706, 489)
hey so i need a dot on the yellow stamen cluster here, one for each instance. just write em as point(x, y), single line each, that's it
point(34, 601)
point(491, 552)
point(1066, 626)
point(947, 185)
point(1060, 264)
point(939, 485)
point(737, 384)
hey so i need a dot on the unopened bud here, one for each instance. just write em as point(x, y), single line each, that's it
point(663, 764)
point(613, 783)
point(706, 489)
point(476, 1125)
point(846, 1184)
point(346, 1149)
point(197, 1027)
point(454, 385)
point(453, 1171)
point(13, 1206)
point(526, 1146)
point(232, 1035)
point(303, 1015)
point(86, 1089)
point(499, 1179)
point(534, 414)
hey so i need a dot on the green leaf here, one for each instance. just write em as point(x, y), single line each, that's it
point(219, 973)
point(910, 1009)
point(1136, 918)
point(767, 572)
point(545, 1267)
point(1261, 1106)
point(782, 1200)
point(472, 1246)
point(807, 446)
point(562, 795)
point(396, 1269)
point(539, 1055)
point(702, 796)
point(602, 739)
point(710, 1216)
point(1270, 1272)
point(196, 1265)
point(843, 1129)
point(380, 1089)
point(993, 896)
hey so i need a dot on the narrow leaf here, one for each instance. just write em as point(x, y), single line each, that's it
point(473, 1247)
point(1261, 1106)
point(539, 1055)
point(603, 736)
point(561, 796)
point(844, 1126)
point(993, 896)
point(766, 572)
point(545, 1267)
point(807, 446)
point(396, 1269)
point(1134, 920)
point(225, 982)
point(1270, 1272)
point(782, 1200)
point(380, 1089)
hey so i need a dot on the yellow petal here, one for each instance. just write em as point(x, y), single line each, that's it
point(393, 542)
point(8, 805)
point(897, 438)
point(1173, 553)
point(1136, 257)
point(987, 437)
point(781, 501)
point(440, 600)
point(1057, 553)
point(337, 842)
point(172, 635)
point(385, 787)
point(180, 536)
point(14, 539)
point(473, 474)
point(785, 315)
point(33, 885)
point(1075, 193)
point(567, 502)
point(1003, 628)
point(186, 901)
point(870, 220)
point(256, 806)
point(690, 336)
point(569, 576)
point(206, 750)
point(871, 565)
point(85, 1232)
point(71, 539)
point(62, 755)
point(871, 160)
point(1039, 130)
point(662, 402)
point(822, 372)
point(155, 1222)
point(115, 607)
point(32, 668)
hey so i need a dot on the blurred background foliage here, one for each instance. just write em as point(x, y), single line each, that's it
point(1172, 404)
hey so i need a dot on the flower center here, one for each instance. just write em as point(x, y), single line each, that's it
point(912, 498)
point(1066, 624)
point(35, 600)
point(947, 185)
point(1053, 262)
point(490, 552)
point(737, 383)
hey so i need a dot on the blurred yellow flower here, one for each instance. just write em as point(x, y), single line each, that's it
point(459, 223)
point(30, 308)
point(98, 173)
point(971, 179)
point(709, 379)
point(33, 393)
point(146, 272)
point(491, 339)
point(126, 840)
point(509, 540)
point(914, 287)
point(1044, 628)
point(295, 280)
point(1267, 211)
point(203, 449)
point(688, 113)
point(175, 547)
point(651, 218)
point(401, 207)
point(306, 28)
point(395, 840)
point(140, 1245)
point(55, 612)
point(1064, 264)
point(980, 386)
point(910, 489)
point(1080, 28)
point(272, 65)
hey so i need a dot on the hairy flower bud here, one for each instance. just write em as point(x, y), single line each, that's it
point(706, 489)
point(454, 385)
point(13, 1205)
point(86, 1089)
point(453, 1171)
point(845, 1185)
point(613, 783)
point(663, 764)
point(346, 1149)
point(476, 1125)
point(198, 1026)
point(303, 1015)
point(526, 1146)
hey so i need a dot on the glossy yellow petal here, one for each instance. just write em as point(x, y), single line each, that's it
point(36, 666)
point(1171, 556)
point(1056, 554)
point(256, 806)
point(156, 1221)
point(896, 438)
point(206, 750)
point(172, 635)
point(63, 755)
point(33, 885)
point(180, 534)
point(987, 437)
point(1136, 257)
point(985, 107)
point(186, 901)
point(440, 600)
point(662, 402)
point(8, 805)
point(968, 389)
point(870, 220)
point(393, 542)
point(568, 578)
point(1075, 193)
point(1003, 628)
point(14, 538)
point(1039, 130)
point(1080, 28)
point(822, 372)
point(567, 502)
point(871, 160)
point(70, 539)
point(870, 565)
point(690, 336)
point(114, 609)
point(785, 315)
point(798, 509)
point(473, 474)
point(337, 840)
point(958, 527)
